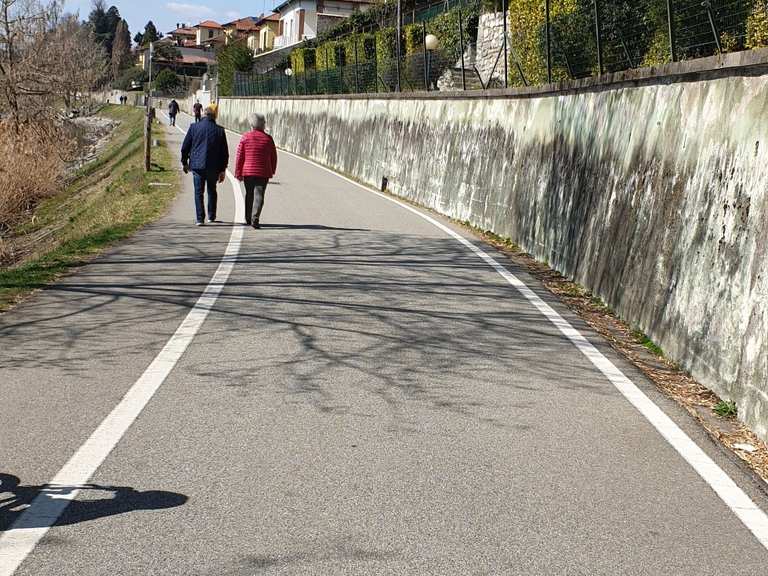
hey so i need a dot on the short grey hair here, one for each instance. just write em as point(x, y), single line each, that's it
point(257, 121)
point(210, 112)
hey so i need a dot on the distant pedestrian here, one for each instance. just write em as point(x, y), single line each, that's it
point(173, 109)
point(205, 152)
point(255, 164)
point(197, 108)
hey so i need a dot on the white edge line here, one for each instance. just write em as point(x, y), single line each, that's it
point(26, 532)
point(751, 515)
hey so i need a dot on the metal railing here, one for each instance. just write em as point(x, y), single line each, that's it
point(534, 44)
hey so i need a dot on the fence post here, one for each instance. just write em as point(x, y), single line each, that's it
point(426, 66)
point(504, 10)
point(325, 72)
point(708, 5)
point(671, 27)
point(598, 41)
point(549, 42)
point(281, 82)
point(461, 46)
point(357, 74)
point(398, 35)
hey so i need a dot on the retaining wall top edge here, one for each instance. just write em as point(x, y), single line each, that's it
point(747, 63)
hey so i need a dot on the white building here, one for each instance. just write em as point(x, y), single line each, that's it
point(305, 19)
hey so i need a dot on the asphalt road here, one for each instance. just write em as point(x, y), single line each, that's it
point(365, 396)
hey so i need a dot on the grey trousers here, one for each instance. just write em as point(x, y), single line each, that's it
point(255, 189)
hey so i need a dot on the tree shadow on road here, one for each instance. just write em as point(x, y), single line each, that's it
point(45, 501)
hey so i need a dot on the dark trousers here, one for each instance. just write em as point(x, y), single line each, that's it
point(255, 189)
point(203, 178)
point(197, 117)
point(173, 119)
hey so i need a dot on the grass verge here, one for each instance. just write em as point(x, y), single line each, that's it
point(107, 201)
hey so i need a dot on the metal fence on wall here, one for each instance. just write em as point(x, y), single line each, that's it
point(556, 40)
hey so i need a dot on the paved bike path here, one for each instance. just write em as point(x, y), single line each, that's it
point(365, 397)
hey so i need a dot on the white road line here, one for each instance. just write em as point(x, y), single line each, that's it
point(22, 537)
point(729, 492)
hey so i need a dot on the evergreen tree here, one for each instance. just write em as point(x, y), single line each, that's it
point(121, 48)
point(104, 23)
point(232, 58)
point(150, 34)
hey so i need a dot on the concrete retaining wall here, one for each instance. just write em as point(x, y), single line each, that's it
point(651, 189)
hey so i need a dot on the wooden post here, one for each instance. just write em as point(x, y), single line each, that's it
point(148, 140)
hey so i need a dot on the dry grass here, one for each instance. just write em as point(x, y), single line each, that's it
point(102, 203)
point(32, 168)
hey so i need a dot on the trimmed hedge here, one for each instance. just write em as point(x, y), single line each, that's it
point(302, 59)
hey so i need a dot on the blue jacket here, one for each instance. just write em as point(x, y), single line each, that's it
point(205, 147)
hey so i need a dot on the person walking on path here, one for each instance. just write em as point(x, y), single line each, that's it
point(173, 109)
point(255, 164)
point(205, 152)
point(197, 108)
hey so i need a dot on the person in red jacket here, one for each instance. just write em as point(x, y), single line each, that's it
point(256, 163)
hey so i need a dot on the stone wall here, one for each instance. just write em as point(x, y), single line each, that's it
point(649, 188)
point(490, 43)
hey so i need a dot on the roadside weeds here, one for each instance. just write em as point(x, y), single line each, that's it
point(716, 416)
point(108, 200)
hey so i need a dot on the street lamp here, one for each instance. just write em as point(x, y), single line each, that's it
point(288, 72)
point(431, 43)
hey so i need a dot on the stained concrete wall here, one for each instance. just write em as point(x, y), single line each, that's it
point(651, 189)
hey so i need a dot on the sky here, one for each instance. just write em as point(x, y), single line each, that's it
point(165, 14)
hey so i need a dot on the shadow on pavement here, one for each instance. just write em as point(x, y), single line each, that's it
point(16, 498)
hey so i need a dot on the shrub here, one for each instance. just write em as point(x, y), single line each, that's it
point(302, 59)
point(386, 56)
point(123, 82)
point(757, 25)
point(234, 57)
point(364, 78)
point(167, 80)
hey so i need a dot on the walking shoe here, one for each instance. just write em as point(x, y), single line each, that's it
point(256, 225)
point(212, 220)
point(199, 223)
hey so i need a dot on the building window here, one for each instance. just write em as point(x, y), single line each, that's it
point(210, 34)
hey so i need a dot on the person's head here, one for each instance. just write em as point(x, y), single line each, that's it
point(257, 121)
point(210, 112)
point(198, 101)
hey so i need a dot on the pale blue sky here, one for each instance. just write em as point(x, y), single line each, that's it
point(165, 14)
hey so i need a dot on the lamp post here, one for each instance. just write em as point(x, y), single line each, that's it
point(288, 74)
point(431, 43)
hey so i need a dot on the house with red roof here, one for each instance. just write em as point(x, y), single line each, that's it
point(207, 31)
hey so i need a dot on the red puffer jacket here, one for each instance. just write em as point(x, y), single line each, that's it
point(256, 155)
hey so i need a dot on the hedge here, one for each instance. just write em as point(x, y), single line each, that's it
point(302, 59)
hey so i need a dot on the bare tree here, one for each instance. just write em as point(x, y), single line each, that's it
point(24, 24)
point(44, 57)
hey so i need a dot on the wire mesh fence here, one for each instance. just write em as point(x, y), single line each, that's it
point(466, 45)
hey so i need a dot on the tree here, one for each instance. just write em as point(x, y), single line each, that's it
point(234, 57)
point(139, 39)
point(128, 77)
point(167, 80)
point(121, 48)
point(168, 53)
point(104, 23)
point(44, 58)
point(150, 34)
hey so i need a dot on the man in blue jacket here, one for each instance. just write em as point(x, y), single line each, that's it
point(205, 152)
